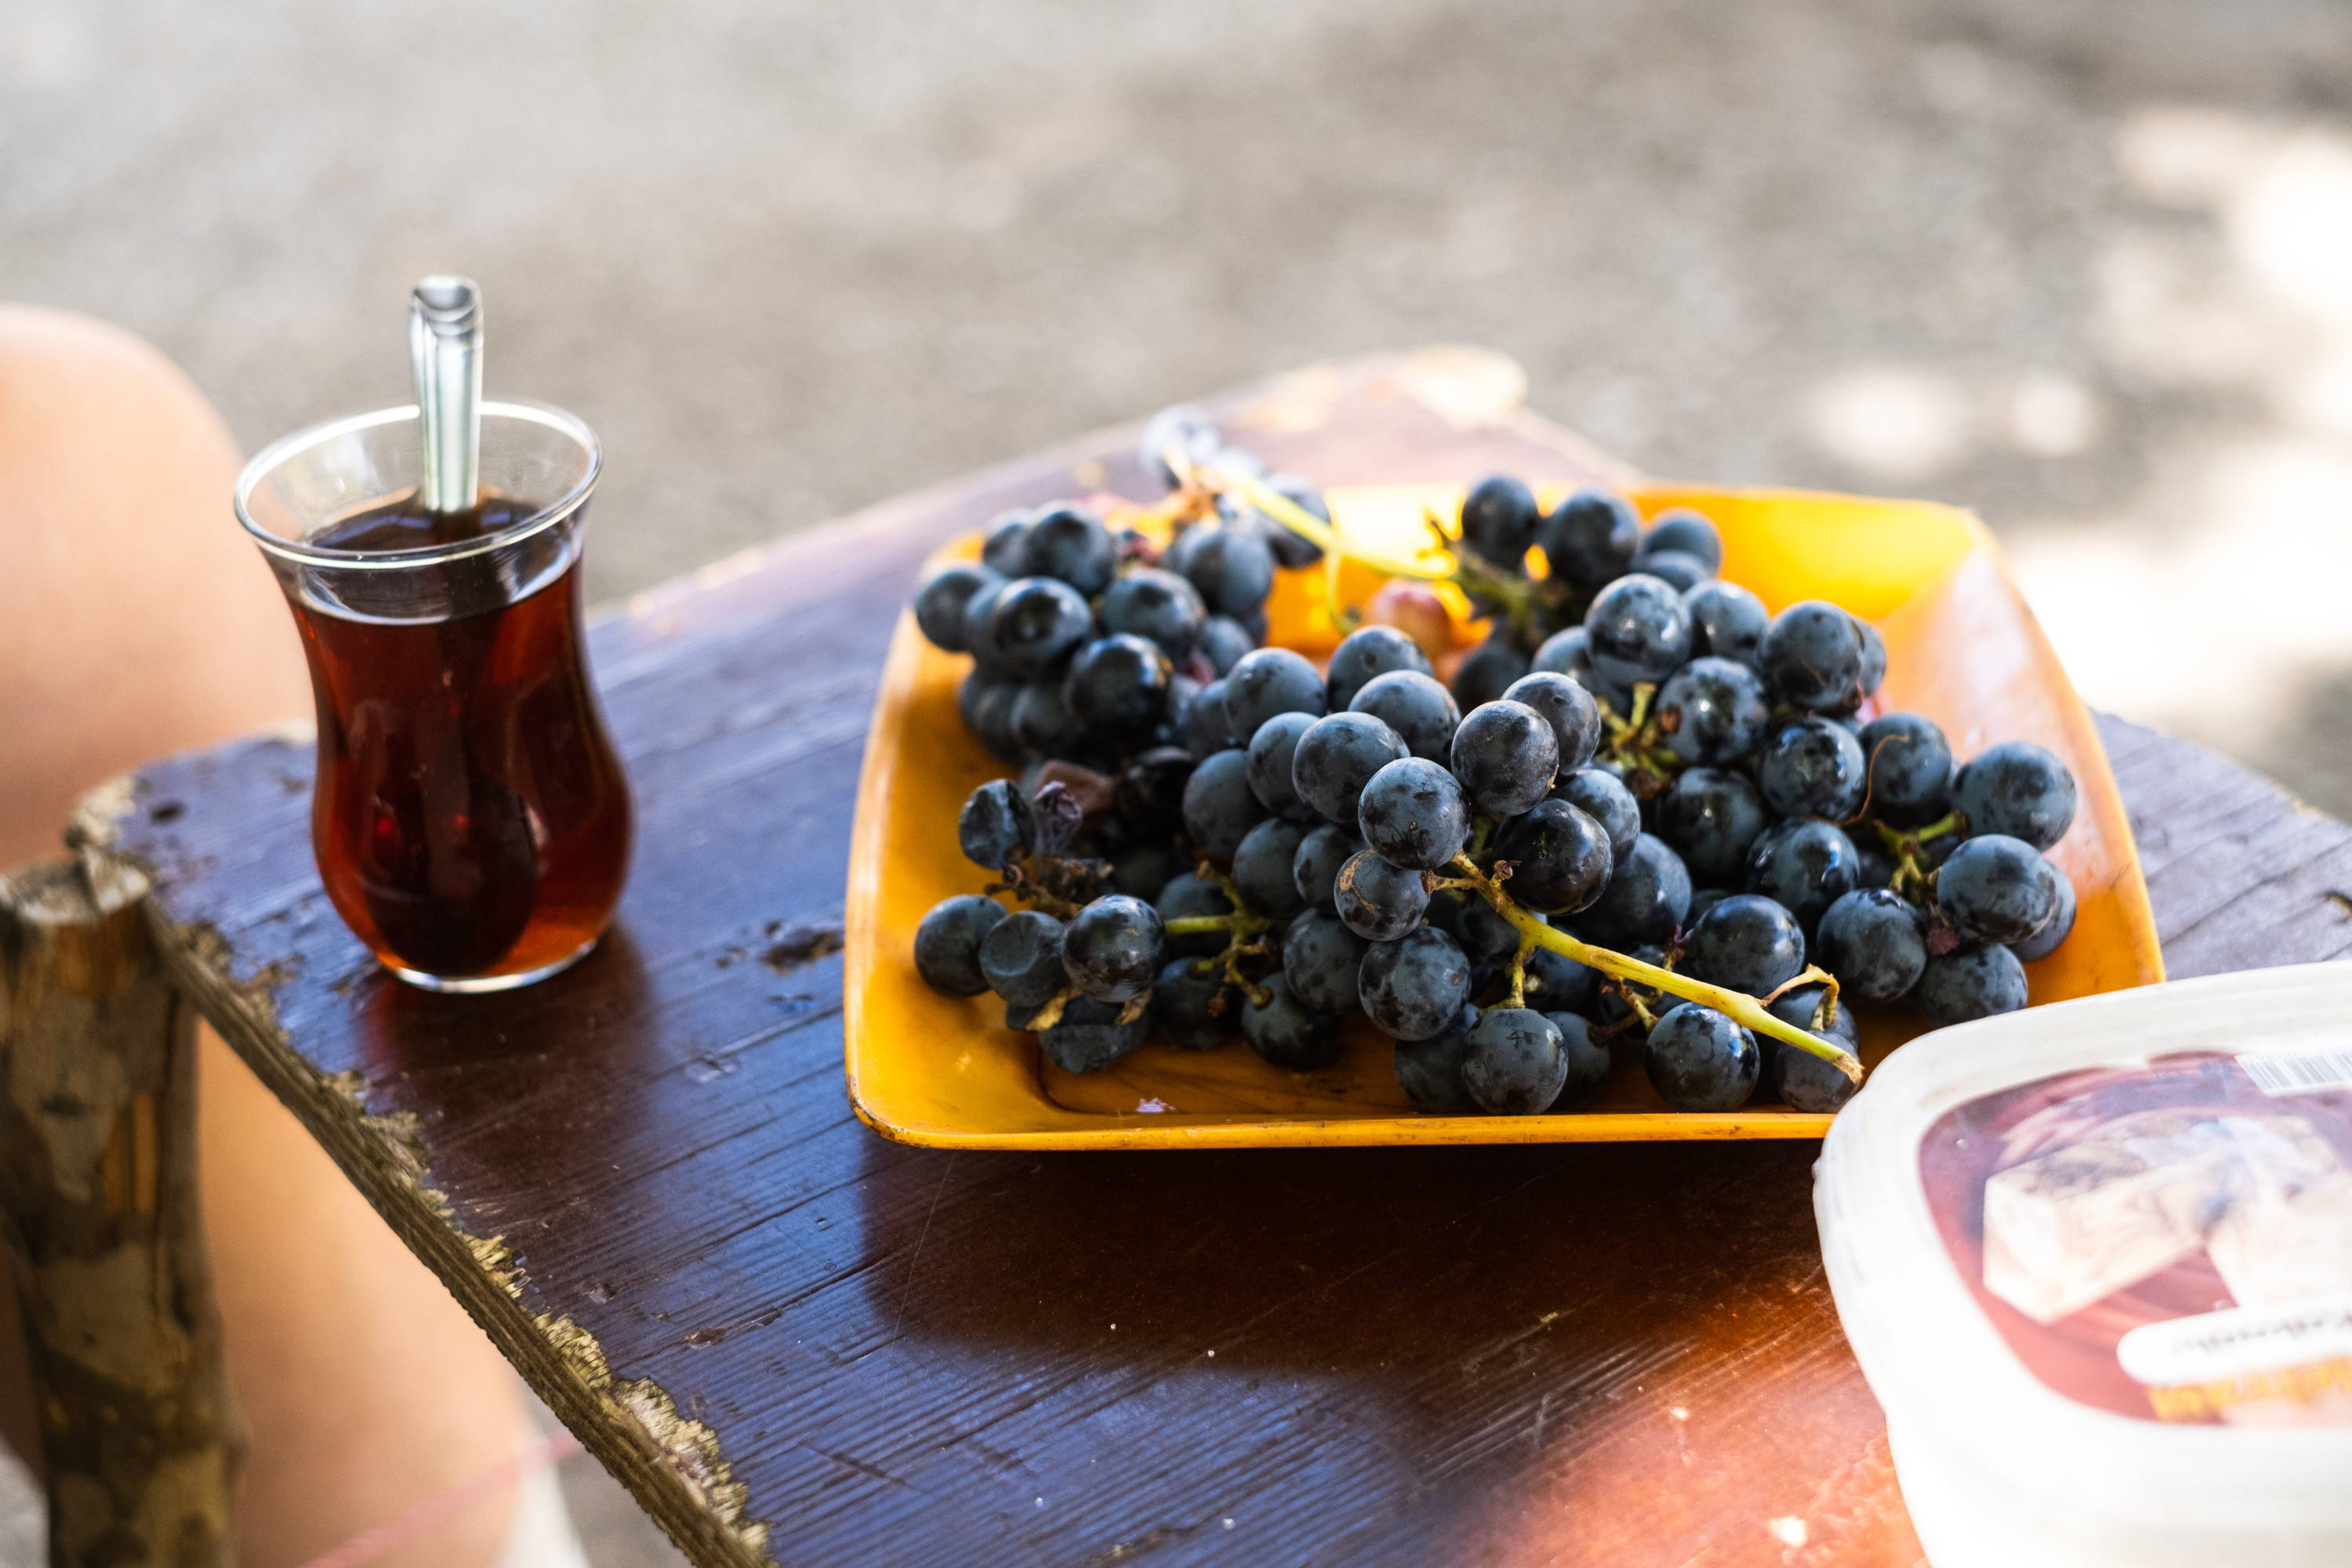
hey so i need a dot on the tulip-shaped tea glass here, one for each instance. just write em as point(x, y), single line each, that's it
point(470, 818)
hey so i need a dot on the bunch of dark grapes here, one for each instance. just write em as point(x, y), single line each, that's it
point(1644, 812)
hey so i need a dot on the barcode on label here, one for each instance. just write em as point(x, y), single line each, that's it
point(2300, 1072)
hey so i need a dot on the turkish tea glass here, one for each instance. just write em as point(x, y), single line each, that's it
point(470, 818)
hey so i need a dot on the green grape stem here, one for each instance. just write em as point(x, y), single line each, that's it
point(1244, 926)
point(1742, 1008)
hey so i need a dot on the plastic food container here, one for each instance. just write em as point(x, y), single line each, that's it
point(2095, 1259)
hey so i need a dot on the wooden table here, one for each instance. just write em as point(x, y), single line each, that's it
point(794, 1341)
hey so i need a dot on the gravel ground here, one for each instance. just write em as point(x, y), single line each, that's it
point(2078, 265)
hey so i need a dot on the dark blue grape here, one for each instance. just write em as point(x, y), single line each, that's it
point(1811, 657)
point(1871, 939)
point(1691, 533)
point(1294, 550)
point(986, 702)
point(2016, 788)
point(1144, 869)
point(1874, 656)
point(1559, 983)
point(1149, 797)
point(2044, 942)
point(1805, 865)
point(1647, 900)
point(1175, 441)
point(1315, 867)
point(1413, 987)
point(1189, 895)
point(1414, 815)
point(1997, 890)
point(1910, 765)
point(1746, 942)
point(1320, 958)
point(1038, 622)
point(1561, 859)
point(1811, 767)
point(980, 630)
point(1268, 681)
point(1726, 621)
point(1560, 654)
point(1262, 869)
point(948, 943)
point(1285, 1032)
point(1337, 757)
point(1486, 938)
point(1678, 569)
point(1071, 544)
point(1801, 1080)
point(1006, 550)
point(1506, 756)
point(1430, 1070)
point(1117, 687)
point(1090, 1037)
point(1713, 709)
point(1591, 538)
point(1219, 809)
point(1271, 750)
point(1232, 567)
point(1021, 958)
point(1699, 1059)
point(1705, 898)
point(995, 824)
point(1574, 716)
point(1377, 900)
point(1515, 1064)
point(1193, 1010)
point(1421, 711)
point(1609, 1006)
point(1160, 606)
point(1367, 652)
point(1498, 521)
point(1223, 641)
point(1711, 816)
point(1206, 728)
point(1637, 630)
point(1487, 671)
point(1113, 948)
point(1586, 1060)
point(941, 602)
point(1602, 796)
point(1975, 983)
point(1043, 724)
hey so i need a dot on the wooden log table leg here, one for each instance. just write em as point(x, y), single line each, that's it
point(97, 1185)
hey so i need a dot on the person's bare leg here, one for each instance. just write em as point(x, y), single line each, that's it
point(135, 619)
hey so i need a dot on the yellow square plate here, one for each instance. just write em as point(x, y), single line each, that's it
point(1962, 648)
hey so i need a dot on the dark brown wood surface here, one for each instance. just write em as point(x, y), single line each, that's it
point(794, 1340)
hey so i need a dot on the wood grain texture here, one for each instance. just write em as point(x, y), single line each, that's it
point(794, 1340)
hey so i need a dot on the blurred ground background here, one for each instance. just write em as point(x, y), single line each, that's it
point(2084, 265)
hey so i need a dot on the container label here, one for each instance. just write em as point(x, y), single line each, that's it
point(2171, 1242)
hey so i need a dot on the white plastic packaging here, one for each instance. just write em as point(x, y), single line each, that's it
point(2095, 1259)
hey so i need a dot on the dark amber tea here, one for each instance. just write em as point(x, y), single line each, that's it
point(470, 817)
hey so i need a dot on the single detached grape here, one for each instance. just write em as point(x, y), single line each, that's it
point(1975, 983)
point(1803, 1080)
point(1711, 816)
point(1268, 681)
point(1321, 958)
point(1637, 630)
point(1315, 867)
point(1113, 948)
point(1591, 538)
point(2044, 942)
point(1804, 866)
point(1699, 1059)
point(1871, 939)
point(1193, 1010)
point(1379, 901)
point(1811, 657)
point(995, 824)
point(1262, 869)
point(1574, 716)
point(1117, 687)
point(1336, 757)
point(1271, 750)
point(1646, 900)
point(1286, 1032)
point(1367, 652)
point(1745, 943)
point(1726, 621)
point(1998, 890)
point(941, 602)
point(1487, 671)
point(1430, 1070)
point(1691, 533)
point(1413, 987)
point(1021, 958)
point(1506, 756)
point(1910, 765)
point(1421, 711)
point(1160, 606)
point(948, 943)
point(1036, 623)
point(1516, 1062)
point(1498, 521)
point(1090, 1037)
point(1070, 543)
point(1561, 859)
point(1414, 815)
point(1602, 796)
point(1219, 807)
point(2016, 788)
point(1713, 711)
point(1811, 767)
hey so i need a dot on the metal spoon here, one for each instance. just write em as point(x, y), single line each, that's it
point(445, 350)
